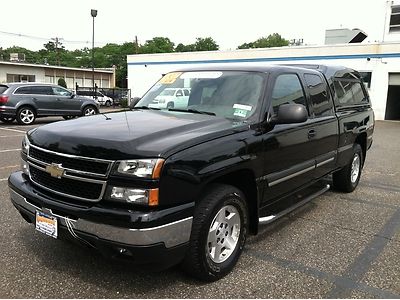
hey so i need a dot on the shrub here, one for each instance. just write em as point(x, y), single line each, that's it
point(61, 82)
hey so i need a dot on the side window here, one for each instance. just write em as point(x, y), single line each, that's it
point(61, 92)
point(287, 89)
point(320, 100)
point(26, 90)
point(186, 92)
point(349, 93)
point(179, 93)
point(41, 90)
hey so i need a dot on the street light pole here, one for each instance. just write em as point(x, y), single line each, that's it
point(93, 12)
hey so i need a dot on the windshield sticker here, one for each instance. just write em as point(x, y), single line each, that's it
point(240, 112)
point(201, 75)
point(170, 78)
point(242, 107)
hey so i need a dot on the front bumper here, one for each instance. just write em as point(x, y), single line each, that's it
point(166, 237)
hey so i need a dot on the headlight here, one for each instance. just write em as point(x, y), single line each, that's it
point(145, 168)
point(25, 145)
point(161, 101)
point(133, 195)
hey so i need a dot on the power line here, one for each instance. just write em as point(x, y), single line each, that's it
point(64, 40)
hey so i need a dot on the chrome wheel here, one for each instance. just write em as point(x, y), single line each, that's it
point(223, 234)
point(355, 168)
point(89, 111)
point(26, 116)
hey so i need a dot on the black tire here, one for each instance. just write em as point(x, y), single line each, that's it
point(89, 110)
point(170, 105)
point(7, 120)
point(69, 117)
point(108, 103)
point(346, 179)
point(26, 115)
point(199, 261)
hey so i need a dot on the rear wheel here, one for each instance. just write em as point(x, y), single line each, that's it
point(218, 233)
point(108, 103)
point(26, 115)
point(7, 120)
point(346, 179)
point(89, 111)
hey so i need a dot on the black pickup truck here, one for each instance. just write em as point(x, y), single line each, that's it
point(197, 164)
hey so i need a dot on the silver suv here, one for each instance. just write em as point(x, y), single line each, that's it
point(28, 101)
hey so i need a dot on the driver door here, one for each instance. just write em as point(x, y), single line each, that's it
point(65, 102)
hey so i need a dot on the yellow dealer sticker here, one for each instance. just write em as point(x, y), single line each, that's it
point(170, 78)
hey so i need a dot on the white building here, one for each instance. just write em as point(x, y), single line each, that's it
point(379, 63)
point(26, 72)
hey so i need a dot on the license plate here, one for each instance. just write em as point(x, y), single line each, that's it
point(46, 224)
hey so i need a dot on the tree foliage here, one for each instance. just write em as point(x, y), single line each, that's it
point(61, 82)
point(272, 40)
point(114, 55)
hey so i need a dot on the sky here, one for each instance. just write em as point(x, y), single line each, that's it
point(229, 22)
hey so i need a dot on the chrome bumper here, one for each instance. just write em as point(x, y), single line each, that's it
point(171, 234)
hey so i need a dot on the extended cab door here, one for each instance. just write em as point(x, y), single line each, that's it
point(324, 133)
point(39, 95)
point(289, 160)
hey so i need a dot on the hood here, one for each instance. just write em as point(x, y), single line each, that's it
point(132, 134)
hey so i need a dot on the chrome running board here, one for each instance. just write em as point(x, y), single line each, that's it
point(270, 219)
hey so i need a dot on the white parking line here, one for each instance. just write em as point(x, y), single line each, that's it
point(8, 167)
point(10, 150)
point(3, 179)
point(6, 136)
point(10, 129)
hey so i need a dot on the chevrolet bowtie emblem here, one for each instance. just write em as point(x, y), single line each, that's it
point(55, 170)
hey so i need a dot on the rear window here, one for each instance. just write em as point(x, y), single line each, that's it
point(349, 93)
point(3, 88)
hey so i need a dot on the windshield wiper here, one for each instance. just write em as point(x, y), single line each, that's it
point(145, 107)
point(191, 110)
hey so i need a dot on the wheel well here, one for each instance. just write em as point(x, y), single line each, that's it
point(27, 105)
point(362, 141)
point(245, 181)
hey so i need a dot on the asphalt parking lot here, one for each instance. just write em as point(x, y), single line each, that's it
point(337, 246)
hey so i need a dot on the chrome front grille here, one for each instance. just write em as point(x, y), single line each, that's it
point(82, 178)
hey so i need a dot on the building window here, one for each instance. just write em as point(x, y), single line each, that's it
point(366, 78)
point(394, 25)
point(20, 78)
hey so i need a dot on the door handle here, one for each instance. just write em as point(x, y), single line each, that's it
point(311, 133)
point(34, 99)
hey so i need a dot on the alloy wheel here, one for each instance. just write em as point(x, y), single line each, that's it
point(223, 235)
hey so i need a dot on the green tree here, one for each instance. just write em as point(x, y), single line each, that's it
point(184, 48)
point(273, 40)
point(205, 44)
point(157, 45)
point(61, 82)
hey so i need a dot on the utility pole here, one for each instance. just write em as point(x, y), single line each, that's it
point(136, 45)
point(57, 42)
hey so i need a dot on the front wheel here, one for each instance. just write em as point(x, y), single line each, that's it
point(346, 179)
point(89, 111)
point(108, 103)
point(218, 233)
point(7, 120)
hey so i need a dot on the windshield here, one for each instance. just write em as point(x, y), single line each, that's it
point(229, 94)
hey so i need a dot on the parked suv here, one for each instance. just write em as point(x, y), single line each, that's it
point(103, 99)
point(165, 186)
point(28, 101)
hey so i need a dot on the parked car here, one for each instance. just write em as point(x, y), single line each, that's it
point(28, 101)
point(171, 98)
point(103, 99)
point(172, 185)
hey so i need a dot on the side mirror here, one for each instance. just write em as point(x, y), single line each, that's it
point(290, 114)
point(72, 95)
point(134, 101)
